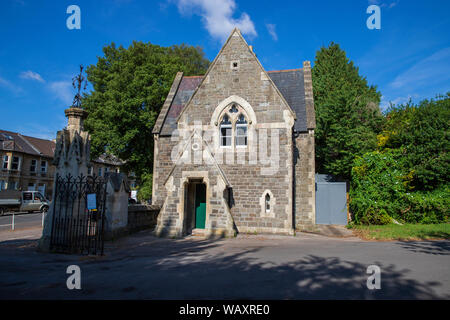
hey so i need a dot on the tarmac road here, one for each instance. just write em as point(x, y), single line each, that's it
point(246, 267)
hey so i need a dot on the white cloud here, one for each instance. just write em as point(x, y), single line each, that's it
point(432, 70)
point(62, 90)
point(271, 29)
point(31, 76)
point(384, 4)
point(385, 103)
point(10, 86)
point(217, 16)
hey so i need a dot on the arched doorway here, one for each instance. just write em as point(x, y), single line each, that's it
point(195, 205)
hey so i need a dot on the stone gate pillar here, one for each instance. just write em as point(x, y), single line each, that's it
point(72, 156)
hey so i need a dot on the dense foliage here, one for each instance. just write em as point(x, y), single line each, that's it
point(423, 131)
point(407, 178)
point(348, 118)
point(130, 86)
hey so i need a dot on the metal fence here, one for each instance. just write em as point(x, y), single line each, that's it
point(76, 228)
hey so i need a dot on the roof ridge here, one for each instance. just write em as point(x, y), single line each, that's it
point(29, 143)
point(286, 70)
point(6, 131)
point(193, 76)
point(48, 140)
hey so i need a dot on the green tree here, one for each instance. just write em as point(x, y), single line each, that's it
point(407, 178)
point(423, 130)
point(129, 89)
point(381, 189)
point(347, 112)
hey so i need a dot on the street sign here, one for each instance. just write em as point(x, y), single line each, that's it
point(91, 201)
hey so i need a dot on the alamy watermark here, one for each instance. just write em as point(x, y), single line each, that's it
point(203, 146)
point(374, 20)
point(74, 20)
point(374, 280)
point(74, 280)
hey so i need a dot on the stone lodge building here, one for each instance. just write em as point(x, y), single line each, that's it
point(234, 149)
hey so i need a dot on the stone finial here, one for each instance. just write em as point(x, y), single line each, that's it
point(75, 117)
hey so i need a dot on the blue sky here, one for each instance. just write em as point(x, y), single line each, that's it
point(409, 57)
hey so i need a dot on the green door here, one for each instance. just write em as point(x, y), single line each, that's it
point(200, 206)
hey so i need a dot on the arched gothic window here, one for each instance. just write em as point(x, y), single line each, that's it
point(241, 131)
point(225, 131)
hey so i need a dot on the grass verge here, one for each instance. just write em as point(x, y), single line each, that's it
point(403, 232)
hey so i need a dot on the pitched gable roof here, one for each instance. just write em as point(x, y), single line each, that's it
point(165, 108)
point(235, 33)
point(294, 87)
point(186, 88)
point(289, 82)
point(291, 85)
point(13, 141)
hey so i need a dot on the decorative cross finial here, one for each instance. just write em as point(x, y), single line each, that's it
point(77, 83)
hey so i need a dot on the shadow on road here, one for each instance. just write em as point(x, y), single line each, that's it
point(428, 247)
point(154, 268)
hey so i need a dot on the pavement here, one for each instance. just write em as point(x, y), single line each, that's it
point(22, 220)
point(307, 266)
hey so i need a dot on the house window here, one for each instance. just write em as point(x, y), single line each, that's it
point(106, 170)
point(89, 172)
point(43, 166)
point(225, 132)
point(241, 131)
point(2, 185)
point(99, 172)
point(5, 162)
point(15, 164)
point(33, 165)
point(267, 206)
point(13, 185)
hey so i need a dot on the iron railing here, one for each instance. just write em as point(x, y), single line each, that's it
point(75, 229)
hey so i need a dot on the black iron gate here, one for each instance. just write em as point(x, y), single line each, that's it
point(75, 228)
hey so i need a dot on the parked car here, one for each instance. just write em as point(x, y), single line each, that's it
point(11, 200)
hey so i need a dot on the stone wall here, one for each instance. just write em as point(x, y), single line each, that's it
point(140, 217)
point(304, 206)
point(162, 165)
point(251, 182)
point(171, 221)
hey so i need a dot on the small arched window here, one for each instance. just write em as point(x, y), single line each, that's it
point(225, 132)
point(267, 202)
point(241, 131)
